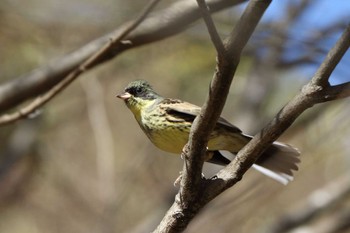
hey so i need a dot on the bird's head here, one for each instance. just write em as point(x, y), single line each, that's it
point(138, 94)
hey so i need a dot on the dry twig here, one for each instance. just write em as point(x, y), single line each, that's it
point(41, 100)
point(160, 25)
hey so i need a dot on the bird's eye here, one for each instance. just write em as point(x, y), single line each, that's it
point(138, 90)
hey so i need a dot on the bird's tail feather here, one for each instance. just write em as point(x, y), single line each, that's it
point(280, 158)
point(278, 176)
point(277, 162)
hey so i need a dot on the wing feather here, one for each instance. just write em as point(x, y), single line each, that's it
point(183, 111)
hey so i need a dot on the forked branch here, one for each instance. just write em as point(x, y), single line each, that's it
point(190, 198)
point(195, 192)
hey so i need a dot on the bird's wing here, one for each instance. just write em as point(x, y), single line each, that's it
point(183, 111)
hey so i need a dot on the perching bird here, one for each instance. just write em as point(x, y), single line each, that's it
point(167, 123)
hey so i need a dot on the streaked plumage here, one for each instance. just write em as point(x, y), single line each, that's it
point(167, 123)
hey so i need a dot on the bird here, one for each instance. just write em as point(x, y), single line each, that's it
point(167, 123)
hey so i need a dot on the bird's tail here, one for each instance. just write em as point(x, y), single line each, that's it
point(277, 162)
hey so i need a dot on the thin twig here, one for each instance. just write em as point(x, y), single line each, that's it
point(214, 35)
point(335, 92)
point(333, 57)
point(41, 100)
point(160, 25)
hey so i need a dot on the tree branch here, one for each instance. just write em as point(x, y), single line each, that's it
point(160, 25)
point(190, 198)
point(334, 56)
point(214, 35)
point(336, 92)
point(220, 85)
point(310, 95)
point(41, 100)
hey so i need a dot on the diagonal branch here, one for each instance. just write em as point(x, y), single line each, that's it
point(163, 24)
point(335, 92)
point(41, 100)
point(334, 56)
point(310, 95)
point(214, 35)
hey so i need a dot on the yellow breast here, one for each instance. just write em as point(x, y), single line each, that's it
point(167, 136)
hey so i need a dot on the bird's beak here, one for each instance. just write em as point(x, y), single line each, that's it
point(124, 96)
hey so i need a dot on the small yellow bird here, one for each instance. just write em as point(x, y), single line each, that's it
point(167, 123)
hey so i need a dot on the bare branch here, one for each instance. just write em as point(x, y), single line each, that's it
point(220, 85)
point(334, 56)
point(243, 31)
point(186, 205)
point(336, 92)
point(190, 198)
point(41, 100)
point(215, 38)
point(164, 24)
point(117, 38)
point(310, 95)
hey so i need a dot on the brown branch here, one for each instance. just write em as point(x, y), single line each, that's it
point(242, 33)
point(334, 56)
point(190, 198)
point(160, 25)
point(310, 95)
point(196, 192)
point(336, 92)
point(214, 35)
point(220, 85)
point(41, 100)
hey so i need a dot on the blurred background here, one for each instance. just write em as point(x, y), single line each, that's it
point(83, 164)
